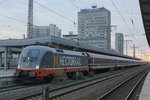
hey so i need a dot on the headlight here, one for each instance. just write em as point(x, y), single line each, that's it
point(32, 74)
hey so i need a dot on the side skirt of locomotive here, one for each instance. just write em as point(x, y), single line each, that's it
point(26, 74)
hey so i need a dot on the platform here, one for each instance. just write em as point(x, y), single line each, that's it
point(9, 72)
point(145, 92)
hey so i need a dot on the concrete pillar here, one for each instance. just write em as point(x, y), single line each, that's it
point(77, 75)
point(45, 95)
point(0, 59)
point(5, 59)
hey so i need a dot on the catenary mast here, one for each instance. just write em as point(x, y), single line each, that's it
point(30, 19)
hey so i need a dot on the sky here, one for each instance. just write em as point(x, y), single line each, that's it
point(63, 13)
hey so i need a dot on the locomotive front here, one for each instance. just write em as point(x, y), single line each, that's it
point(28, 63)
point(41, 63)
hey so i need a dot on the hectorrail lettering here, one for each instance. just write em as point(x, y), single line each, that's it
point(69, 61)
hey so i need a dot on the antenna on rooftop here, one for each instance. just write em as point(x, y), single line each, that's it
point(94, 6)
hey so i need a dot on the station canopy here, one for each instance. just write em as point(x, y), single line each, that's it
point(69, 44)
point(145, 10)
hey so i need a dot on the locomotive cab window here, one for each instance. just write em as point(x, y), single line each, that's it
point(29, 58)
point(30, 53)
point(47, 60)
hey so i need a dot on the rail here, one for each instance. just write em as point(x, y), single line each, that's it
point(58, 92)
point(106, 95)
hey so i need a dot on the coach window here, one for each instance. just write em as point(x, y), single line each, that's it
point(46, 63)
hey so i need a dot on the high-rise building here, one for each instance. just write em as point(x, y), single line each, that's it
point(42, 31)
point(94, 27)
point(119, 42)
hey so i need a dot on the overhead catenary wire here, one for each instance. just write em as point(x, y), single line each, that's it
point(12, 18)
point(36, 10)
point(73, 1)
point(64, 6)
point(124, 20)
point(39, 12)
point(56, 7)
point(65, 13)
point(53, 11)
point(74, 4)
point(132, 21)
point(121, 16)
point(127, 12)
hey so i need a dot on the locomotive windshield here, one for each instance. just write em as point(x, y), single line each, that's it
point(29, 58)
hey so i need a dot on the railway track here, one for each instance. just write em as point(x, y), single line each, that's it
point(4, 91)
point(125, 90)
point(18, 86)
point(11, 87)
point(59, 93)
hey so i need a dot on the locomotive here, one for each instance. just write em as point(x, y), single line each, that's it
point(42, 62)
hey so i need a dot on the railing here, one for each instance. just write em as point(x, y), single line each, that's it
point(2, 68)
point(6, 81)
